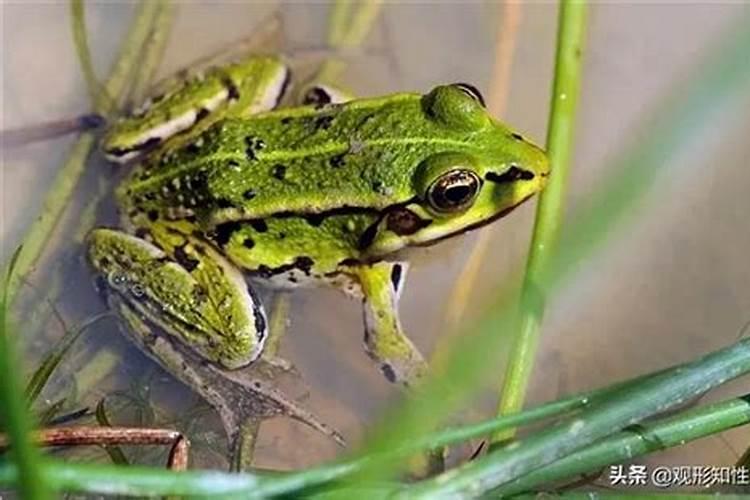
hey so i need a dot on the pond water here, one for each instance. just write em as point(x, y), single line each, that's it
point(672, 284)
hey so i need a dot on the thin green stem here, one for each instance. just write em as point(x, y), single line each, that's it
point(570, 40)
point(152, 56)
point(348, 26)
point(136, 481)
point(631, 443)
point(59, 194)
point(447, 437)
point(81, 44)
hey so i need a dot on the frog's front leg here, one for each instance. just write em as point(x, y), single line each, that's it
point(385, 340)
point(186, 288)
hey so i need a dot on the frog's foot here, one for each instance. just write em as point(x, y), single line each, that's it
point(239, 396)
point(385, 341)
point(186, 288)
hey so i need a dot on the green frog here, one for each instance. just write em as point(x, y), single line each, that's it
point(229, 189)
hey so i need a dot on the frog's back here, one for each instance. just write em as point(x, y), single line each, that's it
point(359, 155)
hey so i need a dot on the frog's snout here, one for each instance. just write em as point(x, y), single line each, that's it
point(539, 162)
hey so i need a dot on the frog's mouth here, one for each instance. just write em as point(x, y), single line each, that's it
point(471, 227)
point(412, 224)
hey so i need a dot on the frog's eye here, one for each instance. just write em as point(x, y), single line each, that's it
point(453, 191)
point(471, 91)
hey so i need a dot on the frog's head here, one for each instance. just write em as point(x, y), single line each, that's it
point(481, 173)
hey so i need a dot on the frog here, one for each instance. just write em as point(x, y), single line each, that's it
point(231, 190)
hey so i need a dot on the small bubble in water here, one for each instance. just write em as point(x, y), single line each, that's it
point(117, 279)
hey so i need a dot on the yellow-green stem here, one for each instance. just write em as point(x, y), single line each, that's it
point(568, 62)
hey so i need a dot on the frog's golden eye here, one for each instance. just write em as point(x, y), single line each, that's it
point(471, 91)
point(453, 191)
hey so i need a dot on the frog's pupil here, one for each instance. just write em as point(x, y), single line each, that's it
point(457, 194)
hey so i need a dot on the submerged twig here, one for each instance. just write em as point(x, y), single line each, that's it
point(108, 436)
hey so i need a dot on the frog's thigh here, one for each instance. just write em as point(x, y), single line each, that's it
point(195, 294)
point(385, 340)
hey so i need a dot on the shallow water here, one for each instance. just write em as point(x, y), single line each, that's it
point(673, 284)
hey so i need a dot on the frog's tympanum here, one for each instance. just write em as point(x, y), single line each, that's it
point(227, 188)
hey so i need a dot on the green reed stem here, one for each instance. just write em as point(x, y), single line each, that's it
point(154, 52)
point(81, 43)
point(59, 194)
point(328, 473)
point(570, 40)
point(637, 441)
point(348, 25)
point(625, 407)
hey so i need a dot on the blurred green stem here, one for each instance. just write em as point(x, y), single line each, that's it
point(570, 40)
point(14, 417)
point(348, 25)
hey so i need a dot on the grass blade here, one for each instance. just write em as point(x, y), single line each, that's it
point(637, 441)
point(44, 371)
point(14, 419)
point(115, 452)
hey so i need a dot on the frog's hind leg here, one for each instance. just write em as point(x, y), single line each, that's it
point(385, 340)
point(238, 395)
point(187, 289)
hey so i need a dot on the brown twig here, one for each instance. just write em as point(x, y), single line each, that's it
point(109, 436)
